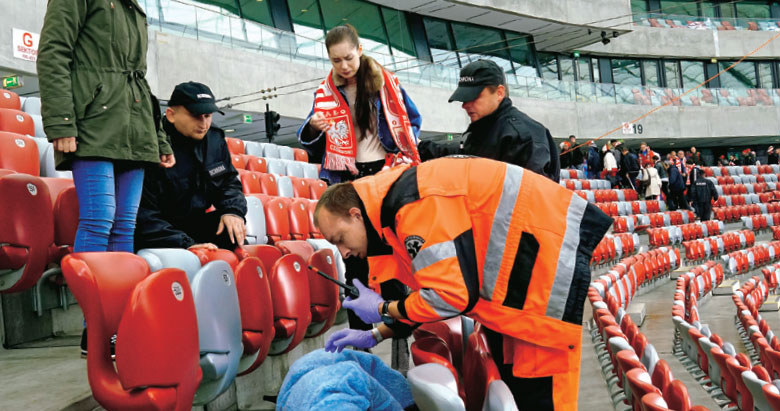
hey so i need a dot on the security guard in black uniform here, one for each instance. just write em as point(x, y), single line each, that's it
point(701, 193)
point(173, 206)
point(498, 130)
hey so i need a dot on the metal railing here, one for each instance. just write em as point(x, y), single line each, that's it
point(705, 23)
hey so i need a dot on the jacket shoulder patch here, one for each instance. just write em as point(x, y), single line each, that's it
point(413, 245)
point(217, 169)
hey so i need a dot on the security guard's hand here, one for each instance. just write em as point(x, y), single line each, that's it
point(318, 121)
point(167, 160)
point(65, 144)
point(235, 228)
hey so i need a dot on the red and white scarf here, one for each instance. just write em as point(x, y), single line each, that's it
point(341, 144)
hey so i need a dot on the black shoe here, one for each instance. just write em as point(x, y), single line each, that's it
point(84, 345)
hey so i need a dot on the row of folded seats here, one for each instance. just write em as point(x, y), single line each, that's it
point(630, 223)
point(454, 368)
point(746, 199)
point(25, 131)
point(607, 195)
point(591, 184)
point(637, 378)
point(755, 385)
point(735, 213)
point(761, 221)
point(747, 188)
point(713, 246)
point(769, 179)
point(573, 174)
point(256, 182)
point(741, 170)
point(620, 208)
point(707, 357)
point(275, 166)
point(684, 232)
point(266, 150)
point(614, 246)
point(742, 261)
point(219, 312)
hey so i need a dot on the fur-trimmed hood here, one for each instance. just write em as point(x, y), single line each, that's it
point(378, 80)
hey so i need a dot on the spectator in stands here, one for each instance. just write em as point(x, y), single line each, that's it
point(662, 175)
point(723, 161)
point(594, 160)
point(772, 157)
point(174, 202)
point(610, 166)
point(100, 121)
point(651, 180)
point(733, 160)
point(576, 154)
point(629, 168)
point(748, 157)
point(695, 156)
point(367, 91)
point(498, 130)
point(565, 158)
point(616, 151)
point(676, 197)
point(529, 303)
point(701, 194)
point(645, 153)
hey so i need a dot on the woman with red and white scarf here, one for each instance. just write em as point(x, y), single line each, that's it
point(361, 121)
point(361, 118)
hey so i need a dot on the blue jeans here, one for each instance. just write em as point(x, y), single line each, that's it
point(109, 194)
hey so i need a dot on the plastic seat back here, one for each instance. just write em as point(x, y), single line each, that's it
point(15, 121)
point(772, 395)
point(256, 164)
point(324, 294)
point(254, 148)
point(300, 155)
point(235, 145)
point(317, 188)
point(270, 150)
point(639, 384)
point(301, 187)
point(295, 169)
point(26, 231)
point(277, 220)
point(119, 296)
point(255, 221)
point(285, 186)
point(310, 171)
point(19, 153)
point(755, 385)
point(286, 153)
point(292, 312)
point(299, 219)
point(65, 206)
point(479, 370)
point(276, 166)
point(320, 244)
point(434, 388)
point(9, 99)
point(257, 316)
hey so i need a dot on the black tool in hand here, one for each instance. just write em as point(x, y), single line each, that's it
point(349, 290)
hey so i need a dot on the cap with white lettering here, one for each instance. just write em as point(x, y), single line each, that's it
point(474, 77)
point(197, 98)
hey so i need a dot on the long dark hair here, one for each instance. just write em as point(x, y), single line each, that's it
point(367, 90)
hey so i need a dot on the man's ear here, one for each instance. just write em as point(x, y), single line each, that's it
point(169, 114)
point(355, 212)
point(501, 89)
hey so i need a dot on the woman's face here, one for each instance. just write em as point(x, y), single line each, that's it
point(345, 58)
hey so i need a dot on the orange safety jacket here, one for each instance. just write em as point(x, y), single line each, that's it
point(497, 243)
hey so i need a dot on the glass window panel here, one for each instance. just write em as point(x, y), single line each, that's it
point(765, 75)
point(474, 43)
point(753, 9)
point(743, 75)
point(442, 49)
point(567, 68)
point(707, 8)
point(583, 70)
point(229, 5)
point(178, 13)
point(365, 18)
point(398, 31)
point(596, 72)
point(258, 11)
point(307, 25)
point(213, 22)
point(672, 74)
point(521, 54)
point(626, 72)
point(727, 10)
point(683, 7)
point(652, 75)
point(548, 65)
point(638, 6)
point(692, 73)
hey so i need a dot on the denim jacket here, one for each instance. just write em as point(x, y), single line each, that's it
point(314, 143)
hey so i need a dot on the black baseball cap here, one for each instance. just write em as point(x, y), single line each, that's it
point(474, 77)
point(197, 98)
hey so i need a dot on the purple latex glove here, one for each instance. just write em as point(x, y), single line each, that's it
point(345, 337)
point(367, 305)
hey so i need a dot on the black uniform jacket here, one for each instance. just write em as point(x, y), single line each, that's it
point(176, 197)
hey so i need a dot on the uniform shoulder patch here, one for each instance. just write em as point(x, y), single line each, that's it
point(413, 245)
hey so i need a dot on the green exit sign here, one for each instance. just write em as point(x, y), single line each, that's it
point(247, 118)
point(449, 137)
point(12, 82)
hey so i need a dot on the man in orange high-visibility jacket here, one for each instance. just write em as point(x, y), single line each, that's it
point(478, 237)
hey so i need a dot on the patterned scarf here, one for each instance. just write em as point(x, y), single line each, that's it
point(341, 144)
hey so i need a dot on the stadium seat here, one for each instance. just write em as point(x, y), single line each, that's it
point(235, 145)
point(238, 160)
point(301, 155)
point(9, 99)
point(772, 395)
point(26, 231)
point(480, 374)
point(314, 232)
point(435, 388)
point(319, 244)
point(268, 184)
point(285, 186)
point(32, 105)
point(19, 153)
point(15, 121)
point(257, 164)
point(250, 182)
point(310, 171)
point(276, 166)
point(277, 219)
point(38, 125)
point(46, 157)
point(324, 294)
point(295, 169)
point(65, 207)
point(301, 188)
point(254, 148)
point(317, 187)
point(257, 317)
point(271, 150)
point(755, 385)
point(118, 296)
point(255, 221)
point(299, 219)
point(286, 153)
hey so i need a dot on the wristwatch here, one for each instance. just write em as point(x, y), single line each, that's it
point(386, 318)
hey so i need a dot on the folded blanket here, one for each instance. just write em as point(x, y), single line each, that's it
point(350, 380)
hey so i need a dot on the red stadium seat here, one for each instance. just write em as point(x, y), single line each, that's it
point(118, 296)
point(479, 370)
point(19, 153)
point(324, 294)
point(314, 232)
point(676, 395)
point(238, 160)
point(299, 219)
point(301, 155)
point(434, 349)
point(15, 121)
point(301, 187)
point(250, 182)
point(9, 99)
point(317, 188)
point(235, 145)
point(65, 207)
point(206, 256)
point(268, 184)
point(277, 219)
point(257, 164)
point(26, 231)
point(257, 317)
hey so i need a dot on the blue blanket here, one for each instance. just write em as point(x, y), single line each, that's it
point(350, 380)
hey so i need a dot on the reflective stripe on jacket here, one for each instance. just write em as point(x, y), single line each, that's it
point(505, 246)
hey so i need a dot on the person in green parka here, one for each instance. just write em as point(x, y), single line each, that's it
point(100, 114)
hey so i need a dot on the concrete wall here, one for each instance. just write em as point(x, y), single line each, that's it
point(689, 44)
point(566, 11)
point(20, 14)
